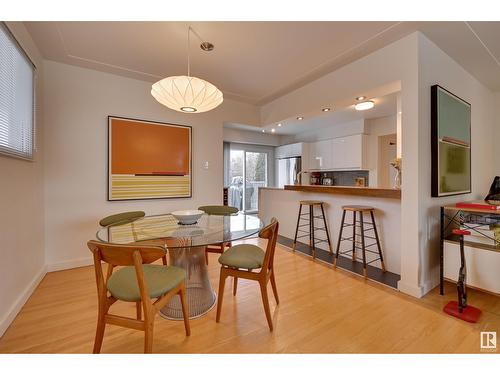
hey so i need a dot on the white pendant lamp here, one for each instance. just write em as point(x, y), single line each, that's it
point(186, 93)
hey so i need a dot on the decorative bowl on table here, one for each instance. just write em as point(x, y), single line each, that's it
point(187, 217)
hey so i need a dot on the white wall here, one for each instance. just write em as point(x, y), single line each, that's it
point(21, 222)
point(250, 137)
point(77, 103)
point(435, 67)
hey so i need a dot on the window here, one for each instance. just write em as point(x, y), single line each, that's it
point(16, 98)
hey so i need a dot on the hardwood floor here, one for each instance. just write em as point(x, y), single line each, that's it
point(321, 311)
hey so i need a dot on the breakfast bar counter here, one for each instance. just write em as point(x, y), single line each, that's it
point(348, 190)
point(284, 205)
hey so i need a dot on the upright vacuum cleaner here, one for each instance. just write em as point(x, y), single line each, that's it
point(459, 309)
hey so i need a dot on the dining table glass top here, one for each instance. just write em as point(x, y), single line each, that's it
point(166, 230)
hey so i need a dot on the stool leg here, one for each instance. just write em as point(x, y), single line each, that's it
point(340, 239)
point(354, 236)
point(326, 229)
point(362, 242)
point(297, 229)
point(311, 218)
point(378, 241)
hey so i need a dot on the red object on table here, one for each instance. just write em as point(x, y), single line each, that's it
point(461, 232)
point(469, 314)
point(480, 205)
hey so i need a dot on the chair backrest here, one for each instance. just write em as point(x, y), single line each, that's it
point(122, 255)
point(269, 232)
point(219, 210)
point(121, 218)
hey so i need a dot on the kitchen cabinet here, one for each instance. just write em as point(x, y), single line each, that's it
point(320, 155)
point(348, 153)
point(288, 151)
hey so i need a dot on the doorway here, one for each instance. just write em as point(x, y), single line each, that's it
point(248, 170)
point(387, 153)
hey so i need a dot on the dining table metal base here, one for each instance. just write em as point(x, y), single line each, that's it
point(199, 293)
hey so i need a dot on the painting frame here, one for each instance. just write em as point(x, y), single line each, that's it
point(109, 194)
point(463, 147)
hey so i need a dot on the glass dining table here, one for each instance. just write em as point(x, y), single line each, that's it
point(185, 245)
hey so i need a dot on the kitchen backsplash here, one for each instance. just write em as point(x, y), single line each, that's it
point(346, 178)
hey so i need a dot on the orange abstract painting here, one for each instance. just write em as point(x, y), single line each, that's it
point(148, 159)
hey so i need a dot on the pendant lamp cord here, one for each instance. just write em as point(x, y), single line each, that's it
point(189, 70)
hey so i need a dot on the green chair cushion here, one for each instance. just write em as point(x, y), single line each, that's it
point(246, 256)
point(219, 210)
point(159, 280)
point(121, 218)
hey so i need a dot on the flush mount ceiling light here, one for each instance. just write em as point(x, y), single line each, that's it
point(300, 118)
point(361, 98)
point(273, 130)
point(279, 125)
point(363, 106)
point(326, 109)
point(187, 93)
point(263, 131)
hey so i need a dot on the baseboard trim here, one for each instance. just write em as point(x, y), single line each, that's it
point(415, 291)
point(69, 264)
point(8, 318)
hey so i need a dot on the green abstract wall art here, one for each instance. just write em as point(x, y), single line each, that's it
point(451, 143)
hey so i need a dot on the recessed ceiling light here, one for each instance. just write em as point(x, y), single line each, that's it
point(273, 130)
point(361, 98)
point(300, 118)
point(279, 125)
point(326, 109)
point(363, 106)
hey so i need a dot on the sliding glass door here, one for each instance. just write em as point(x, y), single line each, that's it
point(248, 170)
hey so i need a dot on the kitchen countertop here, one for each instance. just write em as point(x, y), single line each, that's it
point(348, 190)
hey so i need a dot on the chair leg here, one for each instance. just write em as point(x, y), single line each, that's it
point(340, 239)
point(220, 297)
point(275, 290)
point(378, 241)
point(326, 229)
point(206, 257)
point(265, 301)
point(185, 311)
point(354, 236)
point(148, 335)
point(297, 229)
point(164, 260)
point(363, 243)
point(99, 334)
point(235, 285)
point(138, 308)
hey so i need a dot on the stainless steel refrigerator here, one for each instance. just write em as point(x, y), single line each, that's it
point(288, 171)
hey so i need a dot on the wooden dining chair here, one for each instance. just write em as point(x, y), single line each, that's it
point(120, 219)
point(137, 281)
point(241, 260)
point(221, 211)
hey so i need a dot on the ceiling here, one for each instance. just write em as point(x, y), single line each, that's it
point(384, 106)
point(255, 62)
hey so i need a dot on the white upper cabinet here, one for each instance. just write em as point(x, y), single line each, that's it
point(288, 151)
point(320, 155)
point(348, 153)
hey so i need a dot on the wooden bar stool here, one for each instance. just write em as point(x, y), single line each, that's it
point(310, 222)
point(362, 226)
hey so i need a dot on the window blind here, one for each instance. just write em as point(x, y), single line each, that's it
point(16, 98)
